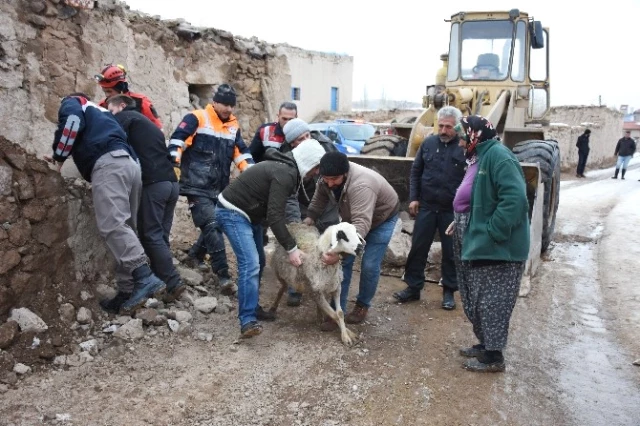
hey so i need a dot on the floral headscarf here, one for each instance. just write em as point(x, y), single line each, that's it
point(477, 129)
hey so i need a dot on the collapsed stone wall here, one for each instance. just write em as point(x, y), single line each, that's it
point(567, 123)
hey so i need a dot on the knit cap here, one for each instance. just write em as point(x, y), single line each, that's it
point(294, 128)
point(225, 95)
point(307, 155)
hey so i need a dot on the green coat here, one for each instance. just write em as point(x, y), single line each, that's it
point(499, 223)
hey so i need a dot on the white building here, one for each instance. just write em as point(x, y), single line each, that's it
point(319, 81)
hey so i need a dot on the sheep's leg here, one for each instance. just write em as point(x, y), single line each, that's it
point(344, 330)
point(348, 338)
point(283, 287)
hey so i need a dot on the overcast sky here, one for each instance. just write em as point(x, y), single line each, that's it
point(396, 44)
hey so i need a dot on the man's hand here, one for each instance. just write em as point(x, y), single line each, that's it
point(49, 159)
point(330, 258)
point(414, 206)
point(176, 170)
point(295, 257)
point(308, 221)
point(450, 229)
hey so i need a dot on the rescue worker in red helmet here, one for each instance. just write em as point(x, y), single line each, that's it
point(113, 80)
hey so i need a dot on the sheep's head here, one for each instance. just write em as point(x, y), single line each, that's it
point(345, 239)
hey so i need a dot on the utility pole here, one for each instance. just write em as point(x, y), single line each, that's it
point(599, 100)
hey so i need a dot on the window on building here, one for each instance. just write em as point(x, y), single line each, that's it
point(295, 93)
point(334, 99)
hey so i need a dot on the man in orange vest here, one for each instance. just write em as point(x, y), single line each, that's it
point(113, 80)
point(202, 148)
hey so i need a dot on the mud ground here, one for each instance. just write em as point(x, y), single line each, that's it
point(572, 344)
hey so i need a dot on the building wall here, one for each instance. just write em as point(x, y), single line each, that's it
point(315, 73)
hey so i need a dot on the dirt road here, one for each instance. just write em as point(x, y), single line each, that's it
point(572, 344)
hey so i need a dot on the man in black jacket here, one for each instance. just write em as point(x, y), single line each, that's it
point(437, 171)
point(625, 148)
point(583, 152)
point(159, 190)
point(260, 193)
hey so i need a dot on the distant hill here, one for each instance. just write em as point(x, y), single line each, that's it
point(377, 104)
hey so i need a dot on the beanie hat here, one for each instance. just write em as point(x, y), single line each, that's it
point(334, 164)
point(225, 95)
point(307, 155)
point(294, 128)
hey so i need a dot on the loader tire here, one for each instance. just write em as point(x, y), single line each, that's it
point(547, 155)
point(385, 145)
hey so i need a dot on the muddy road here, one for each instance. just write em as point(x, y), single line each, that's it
point(569, 362)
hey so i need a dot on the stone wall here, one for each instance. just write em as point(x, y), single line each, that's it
point(569, 122)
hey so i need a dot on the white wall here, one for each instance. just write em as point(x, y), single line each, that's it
point(315, 73)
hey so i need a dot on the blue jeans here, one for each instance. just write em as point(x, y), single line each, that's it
point(623, 161)
point(376, 245)
point(246, 240)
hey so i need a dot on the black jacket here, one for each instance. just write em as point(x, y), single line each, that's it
point(625, 147)
point(583, 143)
point(262, 190)
point(436, 173)
point(148, 142)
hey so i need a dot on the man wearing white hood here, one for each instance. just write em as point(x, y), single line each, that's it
point(260, 193)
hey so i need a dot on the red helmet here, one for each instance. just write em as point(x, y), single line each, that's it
point(111, 75)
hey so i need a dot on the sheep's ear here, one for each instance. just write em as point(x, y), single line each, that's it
point(342, 236)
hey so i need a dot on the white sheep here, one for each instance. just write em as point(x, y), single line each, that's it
point(320, 279)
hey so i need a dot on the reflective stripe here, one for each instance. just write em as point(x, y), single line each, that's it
point(177, 142)
point(240, 158)
point(265, 138)
point(271, 144)
point(211, 132)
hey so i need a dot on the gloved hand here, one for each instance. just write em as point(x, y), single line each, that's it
point(176, 170)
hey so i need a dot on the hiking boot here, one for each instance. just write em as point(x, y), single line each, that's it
point(263, 315)
point(486, 362)
point(195, 263)
point(472, 352)
point(250, 329)
point(226, 283)
point(328, 325)
point(407, 295)
point(174, 292)
point(448, 302)
point(294, 299)
point(358, 315)
point(146, 285)
point(113, 305)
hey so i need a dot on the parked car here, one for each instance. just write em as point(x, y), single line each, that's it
point(349, 136)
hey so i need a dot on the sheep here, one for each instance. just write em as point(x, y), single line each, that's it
point(313, 275)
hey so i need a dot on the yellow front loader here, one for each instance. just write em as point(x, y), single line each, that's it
point(497, 66)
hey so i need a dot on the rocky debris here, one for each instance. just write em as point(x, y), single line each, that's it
point(67, 312)
point(27, 320)
point(189, 276)
point(132, 330)
point(21, 369)
point(84, 316)
point(206, 305)
point(9, 332)
point(637, 362)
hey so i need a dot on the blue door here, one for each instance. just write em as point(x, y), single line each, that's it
point(334, 99)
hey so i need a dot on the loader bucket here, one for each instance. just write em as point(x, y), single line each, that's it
point(396, 170)
point(422, 127)
point(535, 196)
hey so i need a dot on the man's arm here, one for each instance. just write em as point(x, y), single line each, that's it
point(415, 181)
point(182, 137)
point(70, 123)
point(242, 154)
point(362, 202)
point(319, 201)
point(279, 191)
point(256, 147)
point(617, 147)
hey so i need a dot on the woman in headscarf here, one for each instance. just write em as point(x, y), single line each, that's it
point(491, 240)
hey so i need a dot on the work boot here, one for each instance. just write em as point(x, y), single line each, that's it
point(225, 282)
point(623, 172)
point(174, 292)
point(472, 352)
point(250, 329)
point(146, 285)
point(195, 263)
point(358, 315)
point(113, 305)
point(407, 295)
point(486, 362)
point(328, 325)
point(294, 299)
point(263, 315)
point(615, 176)
point(448, 301)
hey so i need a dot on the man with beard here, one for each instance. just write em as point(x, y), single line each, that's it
point(437, 171)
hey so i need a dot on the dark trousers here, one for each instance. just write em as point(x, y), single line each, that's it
point(582, 162)
point(424, 231)
point(211, 238)
point(155, 218)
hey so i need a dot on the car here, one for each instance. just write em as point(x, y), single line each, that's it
point(349, 136)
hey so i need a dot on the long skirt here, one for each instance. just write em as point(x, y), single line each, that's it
point(488, 290)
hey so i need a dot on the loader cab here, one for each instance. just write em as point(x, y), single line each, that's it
point(500, 50)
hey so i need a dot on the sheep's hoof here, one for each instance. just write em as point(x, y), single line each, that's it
point(349, 338)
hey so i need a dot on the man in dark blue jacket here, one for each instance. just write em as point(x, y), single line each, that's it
point(160, 189)
point(99, 148)
point(437, 171)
